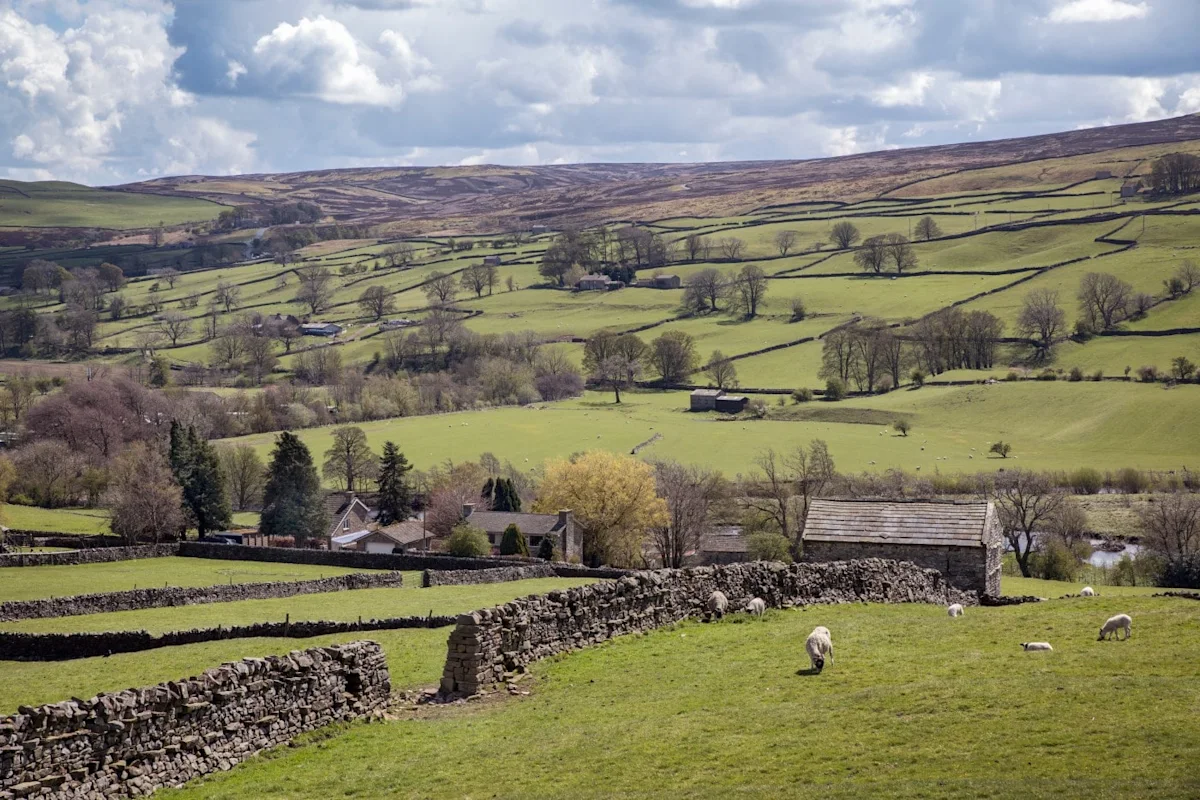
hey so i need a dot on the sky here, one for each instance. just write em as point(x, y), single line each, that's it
point(112, 91)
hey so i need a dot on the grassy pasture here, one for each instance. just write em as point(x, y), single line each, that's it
point(28, 583)
point(915, 705)
point(70, 205)
point(58, 520)
point(1077, 423)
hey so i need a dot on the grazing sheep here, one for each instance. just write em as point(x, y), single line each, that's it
point(955, 610)
point(756, 607)
point(1031, 646)
point(717, 603)
point(1087, 591)
point(1115, 624)
point(819, 645)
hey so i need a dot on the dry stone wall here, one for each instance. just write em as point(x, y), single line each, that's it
point(344, 558)
point(69, 646)
point(98, 555)
point(469, 577)
point(166, 597)
point(486, 644)
point(134, 742)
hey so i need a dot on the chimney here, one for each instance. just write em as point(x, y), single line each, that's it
point(564, 516)
point(467, 509)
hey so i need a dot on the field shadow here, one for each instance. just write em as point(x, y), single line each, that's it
point(808, 673)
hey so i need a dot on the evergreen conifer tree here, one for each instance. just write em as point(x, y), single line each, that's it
point(293, 503)
point(197, 468)
point(395, 495)
point(513, 543)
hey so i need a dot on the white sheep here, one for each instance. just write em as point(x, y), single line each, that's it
point(1115, 624)
point(955, 610)
point(819, 645)
point(1031, 646)
point(717, 603)
point(756, 607)
point(1087, 591)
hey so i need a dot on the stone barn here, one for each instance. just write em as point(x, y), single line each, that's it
point(959, 539)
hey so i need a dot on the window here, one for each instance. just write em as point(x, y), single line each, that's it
point(346, 524)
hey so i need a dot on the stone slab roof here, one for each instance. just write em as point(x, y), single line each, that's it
point(530, 524)
point(897, 522)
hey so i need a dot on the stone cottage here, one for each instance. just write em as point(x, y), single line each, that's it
point(962, 540)
point(560, 527)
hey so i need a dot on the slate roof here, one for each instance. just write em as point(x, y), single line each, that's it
point(406, 532)
point(897, 522)
point(530, 524)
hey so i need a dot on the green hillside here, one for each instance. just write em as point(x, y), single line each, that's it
point(59, 204)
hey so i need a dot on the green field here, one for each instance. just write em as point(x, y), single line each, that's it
point(27, 583)
point(70, 205)
point(915, 705)
point(1076, 424)
point(56, 520)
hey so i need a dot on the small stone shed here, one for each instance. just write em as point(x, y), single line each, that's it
point(705, 399)
point(961, 540)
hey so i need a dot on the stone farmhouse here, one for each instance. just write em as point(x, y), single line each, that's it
point(560, 527)
point(961, 540)
point(347, 514)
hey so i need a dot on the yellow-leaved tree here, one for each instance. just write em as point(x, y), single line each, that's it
point(614, 502)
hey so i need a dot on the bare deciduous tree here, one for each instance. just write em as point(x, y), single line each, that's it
point(1042, 319)
point(844, 235)
point(316, 288)
point(1104, 300)
point(899, 252)
point(705, 289)
point(440, 289)
point(721, 371)
point(1025, 501)
point(732, 248)
point(785, 241)
point(927, 228)
point(175, 325)
point(873, 255)
point(750, 287)
point(690, 494)
point(245, 475)
point(227, 295)
point(376, 302)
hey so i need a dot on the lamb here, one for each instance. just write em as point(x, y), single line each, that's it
point(819, 644)
point(1031, 646)
point(717, 603)
point(955, 610)
point(756, 607)
point(1115, 624)
point(1087, 591)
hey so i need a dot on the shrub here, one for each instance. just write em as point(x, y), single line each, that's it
point(802, 395)
point(835, 389)
point(918, 377)
point(1083, 331)
point(546, 550)
point(1055, 562)
point(902, 426)
point(1147, 374)
point(884, 386)
point(1182, 573)
point(1012, 376)
point(1130, 480)
point(1047, 375)
point(798, 310)
point(513, 543)
point(1098, 375)
point(1085, 480)
point(1075, 375)
point(757, 408)
point(467, 541)
point(765, 546)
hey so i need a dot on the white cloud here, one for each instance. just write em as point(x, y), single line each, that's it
point(321, 58)
point(1098, 11)
point(235, 71)
point(207, 146)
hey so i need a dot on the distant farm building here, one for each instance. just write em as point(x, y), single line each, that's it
point(732, 403)
point(395, 324)
point(590, 283)
point(1103, 174)
point(705, 399)
point(320, 329)
point(537, 230)
point(491, 261)
point(665, 282)
point(959, 539)
point(1131, 188)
